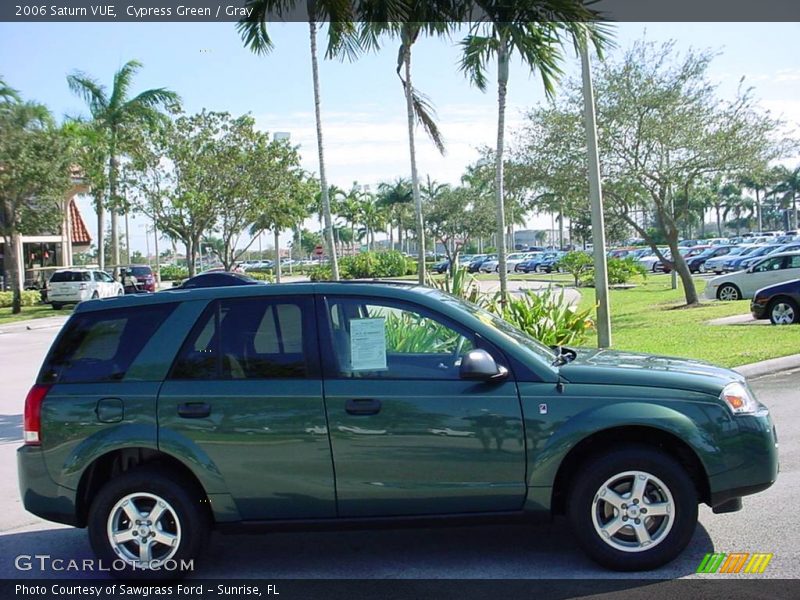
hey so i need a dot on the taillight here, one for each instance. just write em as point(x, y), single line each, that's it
point(82, 286)
point(32, 431)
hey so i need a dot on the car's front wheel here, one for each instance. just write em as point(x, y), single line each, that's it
point(148, 525)
point(784, 311)
point(728, 292)
point(633, 509)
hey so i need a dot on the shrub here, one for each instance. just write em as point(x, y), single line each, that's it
point(545, 317)
point(620, 271)
point(173, 272)
point(576, 263)
point(267, 276)
point(27, 298)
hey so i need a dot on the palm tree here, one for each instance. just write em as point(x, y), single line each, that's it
point(348, 207)
point(505, 29)
point(373, 217)
point(115, 114)
point(253, 30)
point(396, 197)
point(7, 94)
point(411, 19)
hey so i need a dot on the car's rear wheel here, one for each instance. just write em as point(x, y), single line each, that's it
point(148, 525)
point(728, 292)
point(633, 508)
point(784, 311)
point(95, 296)
point(56, 305)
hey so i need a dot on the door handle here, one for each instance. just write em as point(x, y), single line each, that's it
point(363, 406)
point(194, 410)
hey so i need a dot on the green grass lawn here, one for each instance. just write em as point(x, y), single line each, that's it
point(649, 318)
point(30, 312)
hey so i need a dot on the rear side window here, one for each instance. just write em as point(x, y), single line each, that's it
point(70, 276)
point(251, 338)
point(101, 346)
point(140, 271)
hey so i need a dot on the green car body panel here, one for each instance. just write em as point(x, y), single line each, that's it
point(289, 450)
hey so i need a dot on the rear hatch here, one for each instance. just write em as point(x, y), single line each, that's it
point(68, 284)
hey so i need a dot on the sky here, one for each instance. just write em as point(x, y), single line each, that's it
point(363, 107)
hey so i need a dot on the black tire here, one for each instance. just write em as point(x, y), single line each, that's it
point(730, 291)
point(56, 305)
point(672, 532)
point(786, 303)
point(192, 521)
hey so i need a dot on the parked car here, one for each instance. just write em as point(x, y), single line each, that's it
point(550, 264)
point(71, 286)
point(442, 266)
point(335, 403)
point(137, 279)
point(475, 265)
point(715, 263)
point(697, 263)
point(216, 279)
point(763, 251)
point(779, 303)
point(735, 260)
point(773, 269)
point(531, 265)
point(493, 266)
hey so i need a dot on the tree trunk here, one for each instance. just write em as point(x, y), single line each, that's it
point(502, 84)
point(101, 232)
point(13, 260)
point(719, 223)
point(277, 234)
point(758, 210)
point(419, 221)
point(326, 202)
point(190, 259)
point(112, 188)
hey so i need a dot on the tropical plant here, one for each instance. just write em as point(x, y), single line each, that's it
point(544, 316)
point(114, 113)
point(788, 189)
point(461, 284)
point(397, 197)
point(510, 28)
point(340, 18)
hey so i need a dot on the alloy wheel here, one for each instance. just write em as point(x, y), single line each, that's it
point(783, 313)
point(143, 530)
point(633, 511)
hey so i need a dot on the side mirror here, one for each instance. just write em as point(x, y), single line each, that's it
point(479, 364)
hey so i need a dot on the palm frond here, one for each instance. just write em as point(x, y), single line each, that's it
point(7, 93)
point(426, 116)
point(92, 92)
point(476, 51)
point(157, 97)
point(253, 29)
point(122, 83)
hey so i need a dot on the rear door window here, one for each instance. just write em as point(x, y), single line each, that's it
point(102, 345)
point(251, 338)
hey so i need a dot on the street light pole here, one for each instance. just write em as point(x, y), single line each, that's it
point(596, 197)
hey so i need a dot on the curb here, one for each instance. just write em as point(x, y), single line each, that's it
point(768, 367)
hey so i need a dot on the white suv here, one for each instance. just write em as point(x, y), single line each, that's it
point(70, 286)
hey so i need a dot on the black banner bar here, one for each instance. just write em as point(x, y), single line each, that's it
point(190, 11)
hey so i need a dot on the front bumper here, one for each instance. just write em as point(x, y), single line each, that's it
point(758, 310)
point(756, 457)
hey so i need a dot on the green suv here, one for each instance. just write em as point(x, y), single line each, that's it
point(156, 418)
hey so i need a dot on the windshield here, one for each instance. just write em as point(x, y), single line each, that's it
point(70, 276)
point(508, 331)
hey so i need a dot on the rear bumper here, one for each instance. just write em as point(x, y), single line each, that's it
point(40, 494)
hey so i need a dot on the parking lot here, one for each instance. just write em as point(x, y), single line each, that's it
point(768, 522)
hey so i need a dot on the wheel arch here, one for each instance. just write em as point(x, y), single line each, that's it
point(614, 437)
point(733, 285)
point(113, 463)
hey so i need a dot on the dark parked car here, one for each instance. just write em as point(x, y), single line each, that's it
point(442, 266)
point(158, 417)
point(477, 261)
point(780, 303)
point(216, 279)
point(697, 263)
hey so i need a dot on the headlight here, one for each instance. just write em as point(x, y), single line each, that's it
point(738, 399)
